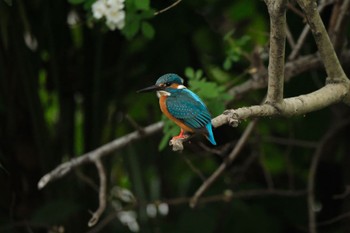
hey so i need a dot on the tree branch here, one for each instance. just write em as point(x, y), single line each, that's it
point(92, 156)
point(338, 23)
point(102, 194)
point(313, 169)
point(239, 146)
point(332, 65)
point(305, 32)
point(277, 12)
point(292, 69)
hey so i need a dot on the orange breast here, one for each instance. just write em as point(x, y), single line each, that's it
point(164, 109)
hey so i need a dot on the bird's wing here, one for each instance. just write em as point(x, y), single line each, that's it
point(189, 108)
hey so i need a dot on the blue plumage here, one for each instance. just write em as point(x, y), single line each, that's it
point(182, 106)
point(186, 106)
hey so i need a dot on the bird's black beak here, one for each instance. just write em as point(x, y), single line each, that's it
point(151, 88)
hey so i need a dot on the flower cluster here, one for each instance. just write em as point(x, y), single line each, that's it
point(112, 10)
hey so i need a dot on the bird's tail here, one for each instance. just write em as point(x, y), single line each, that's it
point(210, 135)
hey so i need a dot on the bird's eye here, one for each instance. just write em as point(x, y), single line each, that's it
point(167, 84)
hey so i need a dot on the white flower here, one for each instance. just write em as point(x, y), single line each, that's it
point(98, 9)
point(115, 19)
point(112, 10)
point(128, 218)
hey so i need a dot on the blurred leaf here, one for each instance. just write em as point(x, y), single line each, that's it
point(242, 10)
point(131, 28)
point(142, 4)
point(75, 2)
point(147, 14)
point(189, 72)
point(227, 64)
point(170, 130)
point(273, 159)
point(77, 35)
point(147, 30)
point(88, 4)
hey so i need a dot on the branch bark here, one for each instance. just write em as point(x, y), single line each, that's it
point(102, 194)
point(324, 45)
point(277, 12)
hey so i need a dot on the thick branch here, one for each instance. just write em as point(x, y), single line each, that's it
point(305, 32)
point(324, 45)
point(323, 97)
point(277, 12)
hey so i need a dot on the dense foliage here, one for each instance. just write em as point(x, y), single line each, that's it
point(68, 85)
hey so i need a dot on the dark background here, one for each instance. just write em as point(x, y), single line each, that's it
point(72, 91)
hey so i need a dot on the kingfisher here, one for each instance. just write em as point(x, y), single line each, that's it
point(182, 106)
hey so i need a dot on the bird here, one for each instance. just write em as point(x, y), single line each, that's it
point(182, 106)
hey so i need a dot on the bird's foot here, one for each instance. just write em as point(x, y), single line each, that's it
point(176, 141)
point(183, 136)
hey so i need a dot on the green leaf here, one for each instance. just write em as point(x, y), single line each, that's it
point(205, 89)
point(131, 28)
point(227, 64)
point(88, 4)
point(147, 30)
point(189, 72)
point(76, 2)
point(170, 129)
point(199, 74)
point(142, 4)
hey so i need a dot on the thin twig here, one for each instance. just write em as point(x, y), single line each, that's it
point(239, 146)
point(228, 195)
point(300, 43)
point(290, 38)
point(292, 69)
point(168, 8)
point(313, 169)
point(91, 156)
point(134, 123)
point(305, 32)
point(291, 142)
point(338, 24)
point(267, 175)
point(194, 168)
point(102, 194)
point(104, 222)
point(87, 180)
point(332, 65)
point(344, 194)
point(295, 10)
point(334, 220)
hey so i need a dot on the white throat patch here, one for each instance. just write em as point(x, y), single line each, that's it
point(163, 93)
point(181, 87)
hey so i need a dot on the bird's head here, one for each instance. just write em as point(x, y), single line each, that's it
point(166, 85)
